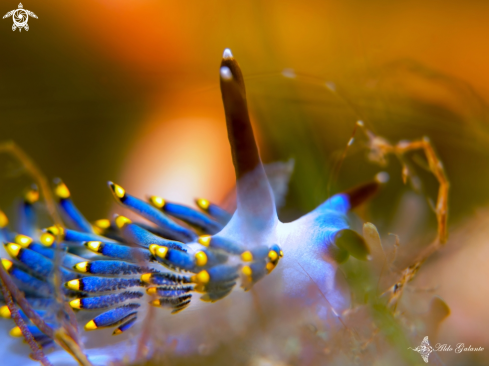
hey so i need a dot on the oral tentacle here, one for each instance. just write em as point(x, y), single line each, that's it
point(255, 203)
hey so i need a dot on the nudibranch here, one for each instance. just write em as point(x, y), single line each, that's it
point(113, 270)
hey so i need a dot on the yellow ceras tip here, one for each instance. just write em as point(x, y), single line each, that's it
point(13, 249)
point(23, 240)
point(270, 267)
point(16, 332)
point(31, 196)
point(76, 304)
point(203, 203)
point(201, 258)
point(151, 291)
point(54, 230)
point(246, 270)
point(152, 248)
point(155, 302)
point(120, 221)
point(146, 277)
point(47, 239)
point(81, 267)
point(94, 246)
point(205, 240)
point(73, 285)
point(5, 312)
point(272, 254)
point(7, 264)
point(247, 256)
point(157, 201)
point(160, 251)
point(100, 226)
point(61, 190)
point(102, 223)
point(117, 332)
point(90, 325)
point(281, 253)
point(201, 278)
point(3, 220)
point(118, 191)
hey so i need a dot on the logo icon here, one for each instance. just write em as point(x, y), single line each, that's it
point(424, 349)
point(20, 17)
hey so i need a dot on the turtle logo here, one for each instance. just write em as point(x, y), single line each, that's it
point(424, 349)
point(20, 17)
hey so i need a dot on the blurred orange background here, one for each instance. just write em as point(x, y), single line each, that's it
point(157, 60)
